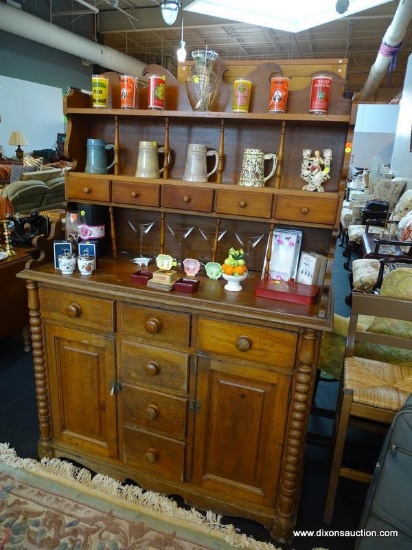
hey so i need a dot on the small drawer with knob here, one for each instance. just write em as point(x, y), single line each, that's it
point(154, 368)
point(244, 203)
point(154, 453)
point(77, 310)
point(187, 198)
point(152, 325)
point(126, 192)
point(252, 343)
point(87, 187)
point(154, 411)
point(311, 208)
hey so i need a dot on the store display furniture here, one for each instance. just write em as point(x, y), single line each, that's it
point(204, 394)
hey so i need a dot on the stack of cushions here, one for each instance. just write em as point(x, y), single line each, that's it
point(397, 284)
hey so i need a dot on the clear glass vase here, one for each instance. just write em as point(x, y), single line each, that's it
point(202, 83)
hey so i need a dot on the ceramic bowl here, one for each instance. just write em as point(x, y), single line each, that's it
point(233, 283)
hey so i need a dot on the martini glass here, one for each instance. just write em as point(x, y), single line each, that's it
point(180, 232)
point(141, 229)
point(209, 236)
point(75, 220)
point(248, 242)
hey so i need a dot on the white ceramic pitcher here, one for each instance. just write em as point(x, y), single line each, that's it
point(196, 163)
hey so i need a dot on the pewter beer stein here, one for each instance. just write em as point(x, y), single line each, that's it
point(148, 160)
point(96, 160)
point(253, 168)
point(196, 163)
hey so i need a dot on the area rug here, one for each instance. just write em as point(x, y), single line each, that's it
point(54, 504)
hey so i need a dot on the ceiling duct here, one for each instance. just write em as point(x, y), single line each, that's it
point(389, 48)
point(33, 28)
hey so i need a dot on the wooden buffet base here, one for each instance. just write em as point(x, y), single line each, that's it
point(205, 395)
point(15, 313)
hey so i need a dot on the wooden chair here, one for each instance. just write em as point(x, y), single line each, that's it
point(371, 390)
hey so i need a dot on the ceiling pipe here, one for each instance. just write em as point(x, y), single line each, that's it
point(33, 28)
point(389, 48)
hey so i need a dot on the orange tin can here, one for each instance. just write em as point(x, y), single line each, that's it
point(156, 92)
point(319, 94)
point(127, 91)
point(279, 90)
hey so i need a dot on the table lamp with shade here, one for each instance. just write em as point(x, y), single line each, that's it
point(18, 138)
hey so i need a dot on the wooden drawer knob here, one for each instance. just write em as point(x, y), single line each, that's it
point(151, 456)
point(135, 194)
point(73, 310)
point(243, 343)
point(187, 198)
point(304, 210)
point(152, 368)
point(151, 412)
point(87, 190)
point(242, 204)
point(153, 325)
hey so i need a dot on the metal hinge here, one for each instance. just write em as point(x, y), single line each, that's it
point(115, 387)
point(194, 405)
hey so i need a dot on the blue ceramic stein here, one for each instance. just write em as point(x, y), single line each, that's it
point(96, 160)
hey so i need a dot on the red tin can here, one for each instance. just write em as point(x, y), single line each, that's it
point(319, 94)
point(279, 90)
point(156, 92)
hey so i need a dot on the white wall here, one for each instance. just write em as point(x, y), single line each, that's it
point(35, 109)
point(374, 133)
point(402, 155)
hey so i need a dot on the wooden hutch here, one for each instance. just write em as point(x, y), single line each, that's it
point(205, 395)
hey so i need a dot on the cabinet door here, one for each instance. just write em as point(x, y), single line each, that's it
point(239, 433)
point(81, 370)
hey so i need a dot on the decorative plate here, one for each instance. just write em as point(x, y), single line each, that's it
point(3, 255)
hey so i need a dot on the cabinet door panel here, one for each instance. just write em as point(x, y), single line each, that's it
point(240, 431)
point(81, 370)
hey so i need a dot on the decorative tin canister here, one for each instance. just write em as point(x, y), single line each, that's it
point(156, 92)
point(127, 91)
point(279, 89)
point(319, 94)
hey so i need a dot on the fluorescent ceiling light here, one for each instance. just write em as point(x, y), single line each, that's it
point(290, 16)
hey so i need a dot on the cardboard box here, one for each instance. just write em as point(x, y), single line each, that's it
point(60, 248)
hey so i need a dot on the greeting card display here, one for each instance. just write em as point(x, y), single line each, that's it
point(284, 255)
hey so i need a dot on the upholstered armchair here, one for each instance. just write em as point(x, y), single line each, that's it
point(399, 205)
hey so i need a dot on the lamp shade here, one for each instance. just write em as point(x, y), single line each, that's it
point(18, 138)
point(170, 9)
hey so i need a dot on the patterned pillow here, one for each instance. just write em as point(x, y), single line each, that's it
point(17, 170)
point(37, 163)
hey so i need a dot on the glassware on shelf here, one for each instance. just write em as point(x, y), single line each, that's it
point(180, 232)
point(141, 229)
point(210, 235)
point(248, 242)
point(75, 221)
point(202, 83)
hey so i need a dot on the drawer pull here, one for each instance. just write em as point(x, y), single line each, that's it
point(151, 412)
point(73, 310)
point(304, 210)
point(87, 190)
point(243, 343)
point(151, 456)
point(135, 194)
point(187, 198)
point(152, 368)
point(242, 204)
point(153, 325)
